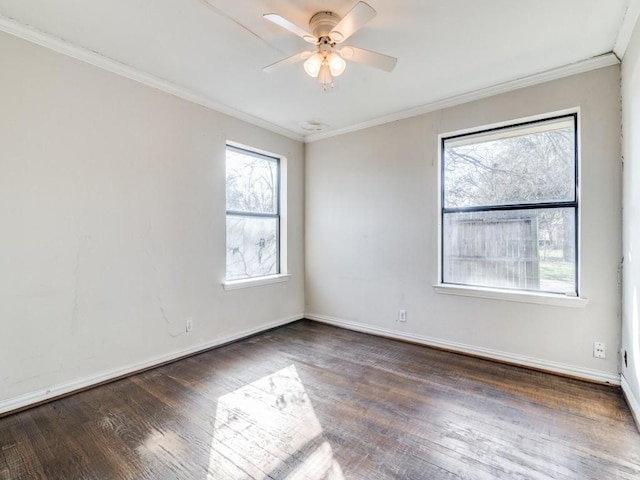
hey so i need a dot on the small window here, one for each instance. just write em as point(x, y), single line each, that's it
point(510, 207)
point(253, 214)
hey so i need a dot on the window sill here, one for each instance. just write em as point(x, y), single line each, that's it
point(255, 282)
point(511, 296)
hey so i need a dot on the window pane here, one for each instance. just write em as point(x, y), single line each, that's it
point(524, 249)
point(252, 247)
point(524, 164)
point(251, 183)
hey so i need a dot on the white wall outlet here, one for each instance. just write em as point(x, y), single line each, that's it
point(402, 316)
point(188, 324)
point(599, 350)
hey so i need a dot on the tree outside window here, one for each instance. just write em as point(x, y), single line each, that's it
point(253, 214)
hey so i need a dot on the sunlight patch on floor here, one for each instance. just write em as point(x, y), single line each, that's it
point(161, 444)
point(269, 429)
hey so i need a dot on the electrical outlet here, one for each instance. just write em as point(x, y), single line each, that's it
point(402, 316)
point(188, 324)
point(599, 350)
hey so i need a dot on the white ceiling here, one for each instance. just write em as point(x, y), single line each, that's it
point(214, 50)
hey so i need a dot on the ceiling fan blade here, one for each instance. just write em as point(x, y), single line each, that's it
point(357, 17)
point(292, 27)
point(367, 57)
point(298, 57)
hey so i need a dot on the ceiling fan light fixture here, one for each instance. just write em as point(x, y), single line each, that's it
point(336, 64)
point(325, 77)
point(313, 65)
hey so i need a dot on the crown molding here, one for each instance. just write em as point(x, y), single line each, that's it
point(627, 27)
point(31, 34)
point(594, 63)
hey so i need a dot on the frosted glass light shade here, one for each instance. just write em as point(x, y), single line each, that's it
point(325, 77)
point(336, 64)
point(313, 64)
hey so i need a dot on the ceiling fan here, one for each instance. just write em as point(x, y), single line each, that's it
point(328, 31)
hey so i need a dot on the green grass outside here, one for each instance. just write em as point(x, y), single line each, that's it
point(553, 267)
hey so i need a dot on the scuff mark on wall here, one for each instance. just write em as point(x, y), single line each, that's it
point(164, 313)
point(173, 330)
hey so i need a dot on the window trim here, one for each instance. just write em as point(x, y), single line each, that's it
point(279, 275)
point(230, 285)
point(517, 295)
point(522, 296)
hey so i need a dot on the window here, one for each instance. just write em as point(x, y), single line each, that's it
point(509, 207)
point(253, 214)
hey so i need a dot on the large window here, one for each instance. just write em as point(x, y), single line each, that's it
point(510, 207)
point(253, 214)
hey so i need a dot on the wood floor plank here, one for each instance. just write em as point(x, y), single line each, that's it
point(20, 454)
point(311, 401)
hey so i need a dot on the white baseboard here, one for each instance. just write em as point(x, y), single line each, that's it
point(522, 360)
point(632, 401)
point(39, 396)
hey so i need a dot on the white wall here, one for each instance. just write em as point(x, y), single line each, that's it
point(112, 217)
point(631, 223)
point(372, 244)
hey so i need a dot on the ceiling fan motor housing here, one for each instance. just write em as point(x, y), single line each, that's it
point(322, 23)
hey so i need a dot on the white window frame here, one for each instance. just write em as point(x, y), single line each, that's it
point(512, 295)
point(282, 275)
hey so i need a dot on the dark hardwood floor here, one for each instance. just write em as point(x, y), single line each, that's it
point(309, 401)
